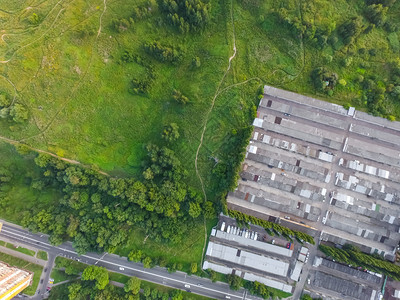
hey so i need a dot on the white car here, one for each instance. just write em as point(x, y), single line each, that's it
point(121, 268)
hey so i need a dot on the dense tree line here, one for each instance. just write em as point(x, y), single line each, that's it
point(228, 166)
point(256, 288)
point(269, 226)
point(351, 255)
point(187, 15)
point(98, 212)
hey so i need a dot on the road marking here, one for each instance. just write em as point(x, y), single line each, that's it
point(138, 270)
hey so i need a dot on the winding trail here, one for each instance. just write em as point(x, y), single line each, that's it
point(205, 127)
point(101, 16)
point(13, 85)
point(71, 161)
point(74, 89)
point(35, 40)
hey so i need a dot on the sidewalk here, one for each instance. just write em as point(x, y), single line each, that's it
point(23, 256)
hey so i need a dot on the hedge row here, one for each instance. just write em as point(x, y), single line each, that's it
point(269, 226)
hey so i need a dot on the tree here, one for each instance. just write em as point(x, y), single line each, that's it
point(376, 14)
point(98, 274)
point(196, 62)
point(194, 209)
point(350, 30)
point(209, 210)
point(146, 291)
point(179, 97)
point(234, 281)
point(147, 262)
point(133, 285)
point(19, 113)
point(213, 275)
point(171, 132)
point(193, 268)
point(34, 19)
point(4, 100)
point(74, 291)
point(176, 295)
point(135, 255)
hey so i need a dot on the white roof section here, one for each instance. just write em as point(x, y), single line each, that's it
point(269, 282)
point(297, 271)
point(256, 244)
point(253, 149)
point(325, 156)
point(258, 122)
point(344, 198)
point(247, 259)
point(217, 268)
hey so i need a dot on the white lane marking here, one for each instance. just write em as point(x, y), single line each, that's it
point(23, 240)
point(142, 271)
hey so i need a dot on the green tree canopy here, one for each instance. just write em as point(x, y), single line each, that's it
point(133, 285)
point(97, 274)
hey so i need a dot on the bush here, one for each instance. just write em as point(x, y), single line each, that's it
point(179, 97)
point(170, 132)
point(163, 53)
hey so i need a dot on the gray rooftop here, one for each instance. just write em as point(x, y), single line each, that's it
point(311, 161)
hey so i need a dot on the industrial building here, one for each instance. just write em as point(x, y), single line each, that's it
point(323, 167)
point(244, 253)
point(13, 281)
point(338, 281)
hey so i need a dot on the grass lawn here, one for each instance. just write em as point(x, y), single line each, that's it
point(42, 255)
point(19, 263)
point(2, 243)
point(62, 262)
point(59, 276)
point(21, 249)
point(187, 252)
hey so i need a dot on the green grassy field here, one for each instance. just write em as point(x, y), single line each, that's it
point(75, 87)
point(187, 252)
point(42, 255)
point(19, 263)
point(62, 62)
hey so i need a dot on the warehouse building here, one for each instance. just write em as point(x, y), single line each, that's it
point(323, 167)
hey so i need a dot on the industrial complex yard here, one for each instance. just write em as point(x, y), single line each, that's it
point(328, 171)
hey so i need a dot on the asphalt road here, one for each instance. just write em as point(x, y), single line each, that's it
point(115, 263)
